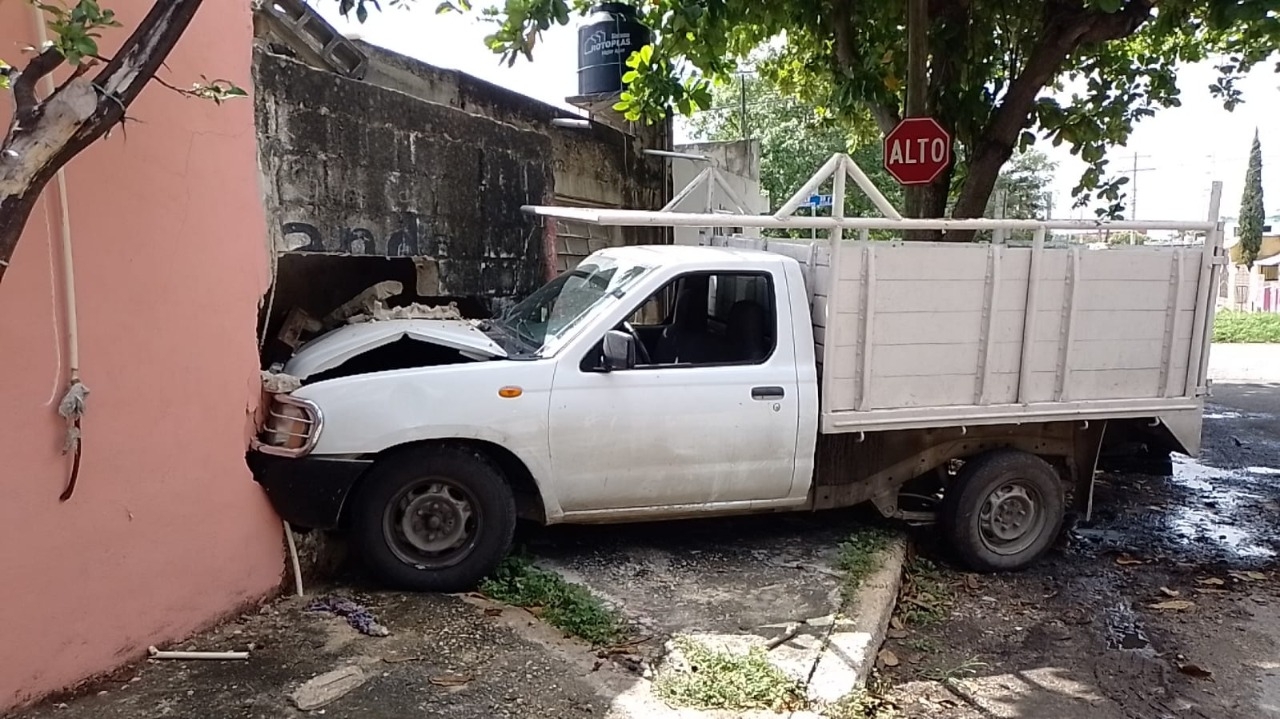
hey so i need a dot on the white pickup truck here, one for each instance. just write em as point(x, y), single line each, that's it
point(968, 385)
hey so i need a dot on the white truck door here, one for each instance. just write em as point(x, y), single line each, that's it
point(708, 415)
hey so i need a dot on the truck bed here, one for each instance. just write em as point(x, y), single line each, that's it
point(913, 334)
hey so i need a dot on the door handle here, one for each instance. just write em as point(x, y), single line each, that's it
point(767, 393)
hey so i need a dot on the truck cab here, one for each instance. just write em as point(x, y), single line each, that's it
point(647, 383)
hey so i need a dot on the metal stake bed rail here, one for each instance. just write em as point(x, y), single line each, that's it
point(840, 167)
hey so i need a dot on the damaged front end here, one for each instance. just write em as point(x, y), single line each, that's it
point(309, 490)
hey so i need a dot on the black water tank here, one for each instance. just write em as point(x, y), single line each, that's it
point(608, 36)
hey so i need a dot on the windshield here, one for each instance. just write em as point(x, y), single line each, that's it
point(542, 320)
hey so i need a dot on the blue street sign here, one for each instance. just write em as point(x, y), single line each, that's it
point(820, 200)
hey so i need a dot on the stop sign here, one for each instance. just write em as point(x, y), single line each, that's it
point(917, 151)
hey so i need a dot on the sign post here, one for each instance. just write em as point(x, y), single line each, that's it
point(917, 151)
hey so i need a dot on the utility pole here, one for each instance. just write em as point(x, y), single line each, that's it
point(917, 95)
point(742, 106)
point(1133, 182)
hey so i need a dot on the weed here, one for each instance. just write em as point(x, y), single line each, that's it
point(1231, 327)
point(569, 607)
point(950, 675)
point(926, 595)
point(859, 556)
point(708, 678)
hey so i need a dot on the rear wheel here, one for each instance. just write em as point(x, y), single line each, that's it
point(433, 519)
point(1003, 510)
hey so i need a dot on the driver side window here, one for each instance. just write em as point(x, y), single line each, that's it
point(703, 319)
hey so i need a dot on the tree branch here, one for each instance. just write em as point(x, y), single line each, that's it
point(1064, 32)
point(24, 88)
point(886, 116)
point(79, 113)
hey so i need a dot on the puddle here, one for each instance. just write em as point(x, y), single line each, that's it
point(1218, 508)
point(1125, 630)
point(1200, 513)
point(1223, 414)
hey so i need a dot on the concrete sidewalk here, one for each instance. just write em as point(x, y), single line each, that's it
point(1244, 363)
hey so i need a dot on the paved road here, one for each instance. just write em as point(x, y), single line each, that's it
point(1092, 632)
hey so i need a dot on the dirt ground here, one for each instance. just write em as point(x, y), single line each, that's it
point(1166, 605)
point(1098, 629)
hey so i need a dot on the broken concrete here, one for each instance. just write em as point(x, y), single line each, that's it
point(328, 687)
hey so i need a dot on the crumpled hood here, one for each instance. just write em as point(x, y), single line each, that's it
point(337, 346)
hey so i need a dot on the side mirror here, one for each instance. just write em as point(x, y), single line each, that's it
point(618, 351)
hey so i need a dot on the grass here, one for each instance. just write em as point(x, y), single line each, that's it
point(858, 557)
point(709, 679)
point(569, 607)
point(950, 675)
point(1239, 327)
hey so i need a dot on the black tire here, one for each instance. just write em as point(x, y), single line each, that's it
point(444, 486)
point(1023, 520)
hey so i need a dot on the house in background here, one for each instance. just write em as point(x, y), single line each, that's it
point(1251, 289)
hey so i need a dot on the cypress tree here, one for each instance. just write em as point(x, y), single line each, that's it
point(1252, 215)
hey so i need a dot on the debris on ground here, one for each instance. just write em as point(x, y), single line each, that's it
point(359, 617)
point(328, 687)
point(451, 680)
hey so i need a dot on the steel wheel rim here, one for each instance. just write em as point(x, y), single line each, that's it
point(1012, 517)
point(433, 523)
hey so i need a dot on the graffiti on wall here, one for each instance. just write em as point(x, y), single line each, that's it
point(407, 240)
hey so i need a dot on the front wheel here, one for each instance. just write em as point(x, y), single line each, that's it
point(1003, 510)
point(433, 519)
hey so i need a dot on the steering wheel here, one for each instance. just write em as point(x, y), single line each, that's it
point(642, 352)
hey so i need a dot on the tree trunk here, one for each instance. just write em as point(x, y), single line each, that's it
point(45, 135)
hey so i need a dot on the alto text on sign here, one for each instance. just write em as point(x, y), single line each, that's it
point(917, 151)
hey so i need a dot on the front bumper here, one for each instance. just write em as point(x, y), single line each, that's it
point(307, 491)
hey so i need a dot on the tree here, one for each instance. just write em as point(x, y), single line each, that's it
point(1023, 186)
point(46, 133)
point(989, 65)
point(795, 139)
point(1252, 215)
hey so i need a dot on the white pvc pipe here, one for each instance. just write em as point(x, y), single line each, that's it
point(158, 654)
point(681, 155)
point(638, 218)
point(293, 558)
point(68, 264)
point(571, 122)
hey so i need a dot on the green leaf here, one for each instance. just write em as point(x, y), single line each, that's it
point(630, 76)
point(362, 13)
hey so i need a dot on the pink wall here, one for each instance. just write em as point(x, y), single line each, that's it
point(167, 531)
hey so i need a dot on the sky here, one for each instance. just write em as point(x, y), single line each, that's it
point(1180, 150)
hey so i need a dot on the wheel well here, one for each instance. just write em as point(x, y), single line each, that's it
point(523, 486)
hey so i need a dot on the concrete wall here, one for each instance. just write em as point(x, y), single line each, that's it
point(738, 163)
point(167, 531)
point(355, 169)
point(596, 167)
